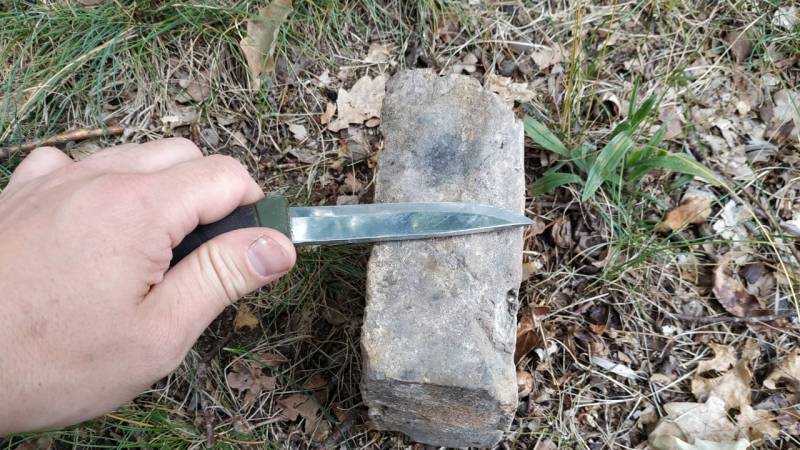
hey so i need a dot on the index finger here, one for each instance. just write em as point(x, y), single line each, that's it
point(202, 191)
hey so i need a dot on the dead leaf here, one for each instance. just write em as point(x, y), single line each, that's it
point(356, 147)
point(467, 64)
point(724, 358)
point(524, 383)
point(614, 367)
point(508, 90)
point(561, 231)
point(527, 333)
point(41, 443)
point(741, 44)
point(343, 200)
point(299, 405)
point(733, 387)
point(730, 224)
point(271, 359)
point(250, 380)
point(304, 154)
point(545, 57)
point(298, 131)
point(193, 90)
point(258, 46)
point(330, 110)
point(786, 17)
point(788, 369)
point(315, 382)
point(178, 117)
point(244, 319)
point(351, 184)
point(695, 208)
point(673, 119)
point(757, 423)
point(792, 227)
point(362, 102)
point(689, 422)
point(377, 54)
point(731, 293)
point(673, 443)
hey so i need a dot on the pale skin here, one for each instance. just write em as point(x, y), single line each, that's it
point(91, 313)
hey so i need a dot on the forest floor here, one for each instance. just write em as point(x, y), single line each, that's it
point(656, 305)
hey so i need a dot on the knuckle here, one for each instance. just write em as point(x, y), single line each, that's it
point(184, 145)
point(230, 279)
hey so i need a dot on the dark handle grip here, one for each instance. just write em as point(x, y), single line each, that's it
point(244, 217)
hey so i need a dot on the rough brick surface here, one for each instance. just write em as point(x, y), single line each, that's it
point(439, 328)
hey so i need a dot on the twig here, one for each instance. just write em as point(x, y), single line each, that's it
point(731, 319)
point(68, 136)
point(208, 416)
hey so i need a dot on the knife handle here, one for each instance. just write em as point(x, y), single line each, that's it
point(271, 212)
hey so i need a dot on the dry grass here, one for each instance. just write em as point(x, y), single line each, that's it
point(611, 287)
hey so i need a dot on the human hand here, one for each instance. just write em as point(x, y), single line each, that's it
point(90, 312)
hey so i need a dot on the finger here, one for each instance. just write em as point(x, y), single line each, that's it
point(148, 157)
point(201, 191)
point(216, 274)
point(40, 161)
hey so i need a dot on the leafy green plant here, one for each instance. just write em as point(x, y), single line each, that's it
point(619, 161)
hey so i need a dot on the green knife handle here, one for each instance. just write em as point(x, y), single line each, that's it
point(271, 212)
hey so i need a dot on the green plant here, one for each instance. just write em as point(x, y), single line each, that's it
point(618, 162)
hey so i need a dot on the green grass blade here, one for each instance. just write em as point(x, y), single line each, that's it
point(551, 180)
point(544, 137)
point(677, 162)
point(606, 163)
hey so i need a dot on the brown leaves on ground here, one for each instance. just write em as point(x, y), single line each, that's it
point(244, 319)
point(362, 102)
point(250, 380)
point(695, 208)
point(300, 405)
point(528, 330)
point(271, 359)
point(509, 90)
point(788, 369)
point(731, 293)
point(258, 46)
point(709, 425)
point(690, 425)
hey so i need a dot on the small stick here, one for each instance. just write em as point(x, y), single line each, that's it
point(68, 136)
point(753, 319)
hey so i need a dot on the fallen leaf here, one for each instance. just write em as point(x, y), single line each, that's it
point(372, 123)
point(178, 117)
point(351, 184)
point(508, 90)
point(193, 90)
point(731, 293)
point(757, 423)
point(786, 17)
point(258, 46)
point(304, 154)
point(377, 54)
point(733, 387)
point(346, 200)
point(325, 117)
point(614, 367)
point(527, 333)
point(791, 227)
point(298, 131)
point(244, 319)
point(315, 382)
point(524, 383)
point(788, 369)
point(271, 359)
point(299, 405)
point(467, 64)
point(356, 147)
point(730, 224)
point(363, 101)
point(545, 57)
point(250, 380)
point(673, 119)
point(724, 358)
point(673, 443)
point(689, 422)
point(561, 231)
point(740, 43)
point(695, 208)
point(41, 443)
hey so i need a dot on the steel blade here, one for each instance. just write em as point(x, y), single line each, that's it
point(318, 225)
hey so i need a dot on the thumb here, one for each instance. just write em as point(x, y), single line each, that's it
point(218, 273)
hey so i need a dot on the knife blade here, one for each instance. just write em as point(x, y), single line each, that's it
point(350, 224)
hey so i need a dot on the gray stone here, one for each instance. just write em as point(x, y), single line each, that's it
point(439, 326)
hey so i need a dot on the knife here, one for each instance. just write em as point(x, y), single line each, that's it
point(350, 224)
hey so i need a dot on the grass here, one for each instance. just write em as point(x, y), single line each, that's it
point(68, 66)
